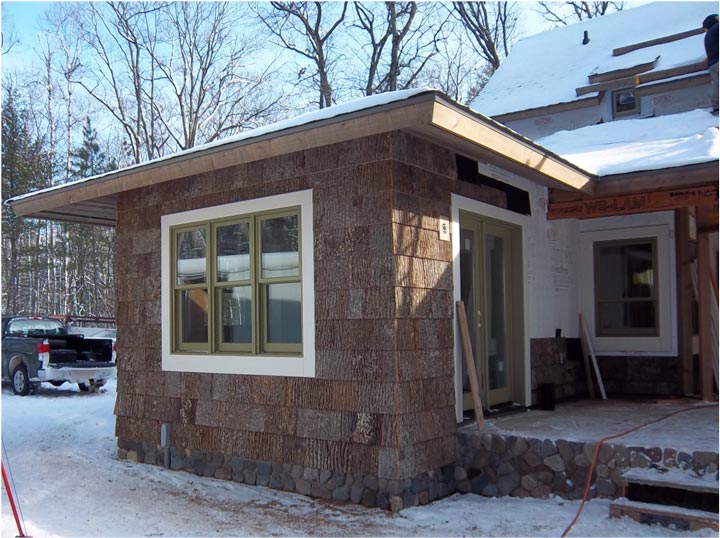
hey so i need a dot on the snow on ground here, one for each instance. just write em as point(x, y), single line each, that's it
point(637, 144)
point(61, 450)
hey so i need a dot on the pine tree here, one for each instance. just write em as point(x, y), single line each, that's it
point(26, 166)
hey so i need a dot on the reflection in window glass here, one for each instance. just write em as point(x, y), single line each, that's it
point(233, 252)
point(191, 251)
point(237, 315)
point(625, 291)
point(284, 316)
point(280, 256)
point(194, 314)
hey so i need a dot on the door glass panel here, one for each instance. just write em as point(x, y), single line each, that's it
point(237, 315)
point(467, 291)
point(495, 293)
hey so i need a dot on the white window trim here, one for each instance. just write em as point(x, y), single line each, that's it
point(628, 228)
point(296, 366)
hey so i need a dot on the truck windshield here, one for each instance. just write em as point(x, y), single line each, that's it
point(35, 327)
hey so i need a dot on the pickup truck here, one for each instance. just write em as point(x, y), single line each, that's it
point(38, 349)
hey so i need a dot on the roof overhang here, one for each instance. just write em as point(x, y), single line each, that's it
point(430, 115)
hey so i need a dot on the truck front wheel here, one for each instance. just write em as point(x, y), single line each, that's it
point(20, 381)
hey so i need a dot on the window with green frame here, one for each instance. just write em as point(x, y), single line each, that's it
point(237, 285)
point(626, 291)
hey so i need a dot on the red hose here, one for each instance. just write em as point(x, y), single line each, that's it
point(12, 501)
point(609, 437)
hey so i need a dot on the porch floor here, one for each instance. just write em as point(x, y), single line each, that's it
point(590, 420)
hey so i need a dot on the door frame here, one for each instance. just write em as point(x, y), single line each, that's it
point(520, 383)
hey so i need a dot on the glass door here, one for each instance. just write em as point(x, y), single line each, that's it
point(486, 285)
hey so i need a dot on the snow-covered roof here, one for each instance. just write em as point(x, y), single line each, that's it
point(634, 145)
point(545, 69)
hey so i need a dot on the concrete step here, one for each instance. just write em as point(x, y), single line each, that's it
point(672, 478)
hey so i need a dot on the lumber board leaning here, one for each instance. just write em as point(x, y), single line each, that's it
point(584, 335)
point(586, 361)
point(470, 363)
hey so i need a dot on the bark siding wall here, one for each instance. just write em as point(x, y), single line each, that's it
point(382, 401)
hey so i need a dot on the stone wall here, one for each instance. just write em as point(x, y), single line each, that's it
point(557, 361)
point(499, 465)
point(382, 402)
point(641, 376)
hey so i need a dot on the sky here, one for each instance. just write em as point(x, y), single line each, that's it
point(24, 20)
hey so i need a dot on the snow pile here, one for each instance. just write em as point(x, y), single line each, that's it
point(61, 450)
point(640, 144)
point(546, 68)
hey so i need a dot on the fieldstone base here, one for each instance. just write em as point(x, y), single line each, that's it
point(488, 464)
point(498, 465)
point(368, 491)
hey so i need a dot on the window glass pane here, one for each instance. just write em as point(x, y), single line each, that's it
point(625, 101)
point(280, 242)
point(191, 247)
point(233, 252)
point(625, 271)
point(194, 314)
point(284, 314)
point(634, 315)
point(236, 311)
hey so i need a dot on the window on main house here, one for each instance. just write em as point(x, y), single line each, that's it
point(626, 290)
point(237, 285)
point(625, 102)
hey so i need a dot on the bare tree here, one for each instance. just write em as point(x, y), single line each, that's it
point(204, 66)
point(491, 26)
point(307, 29)
point(400, 39)
point(563, 13)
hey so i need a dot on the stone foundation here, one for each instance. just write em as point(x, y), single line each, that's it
point(497, 465)
point(492, 465)
point(368, 491)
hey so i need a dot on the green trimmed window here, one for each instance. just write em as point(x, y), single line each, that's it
point(626, 294)
point(237, 285)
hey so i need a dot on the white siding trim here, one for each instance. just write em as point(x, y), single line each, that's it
point(302, 366)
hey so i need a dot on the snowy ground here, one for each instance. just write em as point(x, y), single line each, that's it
point(62, 454)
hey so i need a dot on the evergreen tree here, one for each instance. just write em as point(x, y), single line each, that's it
point(26, 166)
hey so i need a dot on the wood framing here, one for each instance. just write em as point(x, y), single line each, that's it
point(585, 102)
point(637, 80)
point(622, 73)
point(659, 41)
point(629, 204)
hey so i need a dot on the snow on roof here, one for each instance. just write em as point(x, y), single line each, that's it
point(633, 145)
point(297, 121)
point(545, 69)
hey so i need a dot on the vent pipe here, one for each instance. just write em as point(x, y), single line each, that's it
point(586, 38)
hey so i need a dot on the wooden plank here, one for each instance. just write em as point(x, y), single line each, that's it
point(550, 109)
point(705, 318)
point(586, 361)
point(685, 298)
point(674, 479)
point(699, 79)
point(658, 41)
point(623, 73)
point(497, 139)
point(681, 518)
point(470, 363)
point(588, 344)
point(628, 204)
point(637, 80)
